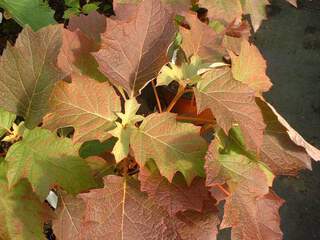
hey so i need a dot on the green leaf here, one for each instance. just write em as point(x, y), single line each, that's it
point(90, 7)
point(95, 147)
point(172, 145)
point(71, 12)
point(28, 73)
point(186, 73)
point(45, 160)
point(6, 121)
point(34, 13)
point(124, 129)
point(21, 213)
point(72, 3)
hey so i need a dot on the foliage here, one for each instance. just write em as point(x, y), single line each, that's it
point(77, 118)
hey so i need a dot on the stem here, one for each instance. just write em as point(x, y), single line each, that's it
point(221, 188)
point(156, 95)
point(193, 119)
point(180, 92)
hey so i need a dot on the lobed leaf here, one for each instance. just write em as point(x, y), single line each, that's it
point(201, 40)
point(46, 160)
point(172, 145)
point(176, 196)
point(22, 215)
point(250, 68)
point(231, 102)
point(23, 12)
point(133, 51)
point(29, 73)
point(86, 105)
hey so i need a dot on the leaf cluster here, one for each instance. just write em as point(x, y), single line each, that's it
point(141, 124)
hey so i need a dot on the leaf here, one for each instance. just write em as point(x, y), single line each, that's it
point(67, 224)
point(227, 162)
point(201, 40)
point(280, 125)
point(86, 105)
point(257, 11)
point(133, 52)
point(186, 73)
point(250, 68)
point(278, 151)
point(6, 121)
point(23, 11)
point(92, 25)
point(121, 211)
point(124, 129)
point(47, 160)
point(253, 218)
point(201, 226)
point(75, 55)
point(96, 148)
point(249, 210)
point(22, 215)
point(172, 145)
point(231, 102)
point(293, 2)
point(28, 73)
point(223, 10)
point(176, 196)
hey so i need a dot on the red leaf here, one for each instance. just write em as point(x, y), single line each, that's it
point(176, 196)
point(201, 40)
point(133, 52)
point(231, 102)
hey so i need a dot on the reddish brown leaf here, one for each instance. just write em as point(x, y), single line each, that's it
point(252, 218)
point(133, 52)
point(199, 226)
point(92, 25)
point(250, 68)
point(278, 151)
point(226, 11)
point(78, 104)
point(231, 102)
point(121, 211)
point(201, 40)
point(296, 137)
point(69, 213)
point(75, 55)
point(175, 196)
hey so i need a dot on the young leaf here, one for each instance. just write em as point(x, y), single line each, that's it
point(67, 224)
point(133, 52)
point(86, 105)
point(278, 151)
point(46, 160)
point(6, 121)
point(23, 11)
point(176, 196)
point(28, 73)
point(124, 129)
point(120, 210)
point(172, 145)
point(250, 68)
point(231, 102)
point(21, 213)
point(223, 10)
point(201, 40)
